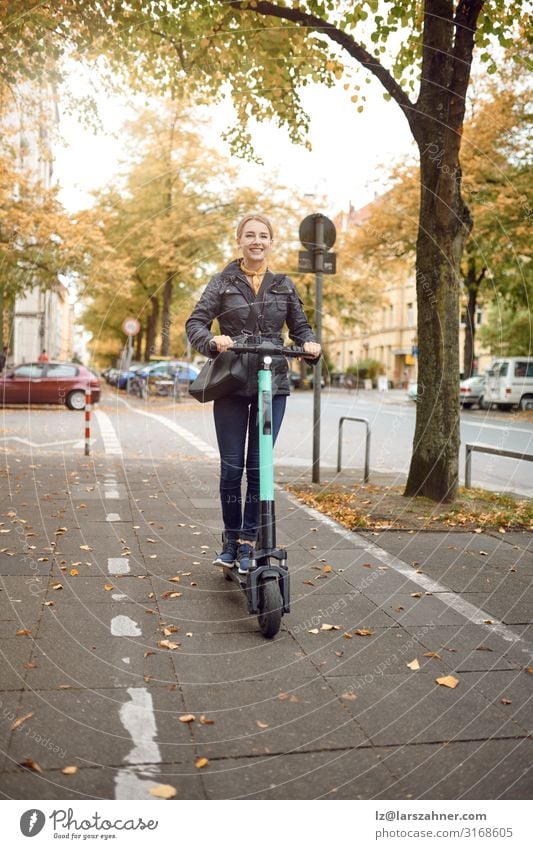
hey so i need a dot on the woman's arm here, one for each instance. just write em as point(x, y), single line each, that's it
point(198, 325)
point(299, 328)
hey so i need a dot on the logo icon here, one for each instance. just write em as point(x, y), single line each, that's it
point(31, 822)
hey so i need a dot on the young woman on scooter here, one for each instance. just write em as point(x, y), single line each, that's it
point(227, 297)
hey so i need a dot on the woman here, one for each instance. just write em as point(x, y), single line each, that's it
point(227, 298)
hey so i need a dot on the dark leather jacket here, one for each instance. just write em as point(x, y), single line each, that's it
point(227, 297)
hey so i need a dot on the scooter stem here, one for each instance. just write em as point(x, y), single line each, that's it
point(267, 521)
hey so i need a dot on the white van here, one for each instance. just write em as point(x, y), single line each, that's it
point(510, 383)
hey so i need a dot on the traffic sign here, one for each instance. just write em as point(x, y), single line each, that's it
point(307, 231)
point(306, 262)
point(131, 326)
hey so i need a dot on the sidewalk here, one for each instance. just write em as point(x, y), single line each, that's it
point(99, 568)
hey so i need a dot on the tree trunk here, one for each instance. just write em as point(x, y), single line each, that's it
point(151, 329)
point(139, 344)
point(443, 227)
point(166, 322)
point(472, 283)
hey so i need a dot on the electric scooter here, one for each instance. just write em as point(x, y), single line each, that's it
point(266, 586)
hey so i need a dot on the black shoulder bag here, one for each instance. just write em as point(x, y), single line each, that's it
point(227, 372)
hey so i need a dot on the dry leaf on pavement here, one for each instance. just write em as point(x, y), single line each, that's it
point(205, 721)
point(29, 764)
point(261, 724)
point(447, 681)
point(163, 791)
point(187, 717)
point(18, 722)
point(413, 664)
point(326, 627)
point(201, 762)
point(363, 632)
point(69, 770)
point(167, 644)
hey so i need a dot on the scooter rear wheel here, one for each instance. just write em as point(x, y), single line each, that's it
point(270, 608)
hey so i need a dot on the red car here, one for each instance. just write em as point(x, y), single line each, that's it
point(48, 383)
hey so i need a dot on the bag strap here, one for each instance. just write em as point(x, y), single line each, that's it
point(253, 316)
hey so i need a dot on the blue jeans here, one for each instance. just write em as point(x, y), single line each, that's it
point(234, 418)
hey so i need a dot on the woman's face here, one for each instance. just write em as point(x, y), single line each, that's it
point(255, 243)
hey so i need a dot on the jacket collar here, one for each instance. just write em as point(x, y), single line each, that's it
point(233, 270)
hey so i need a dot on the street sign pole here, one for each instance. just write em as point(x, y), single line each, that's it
point(319, 251)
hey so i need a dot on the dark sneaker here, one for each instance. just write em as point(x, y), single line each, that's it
point(244, 557)
point(228, 554)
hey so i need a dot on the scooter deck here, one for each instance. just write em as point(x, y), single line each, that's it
point(232, 574)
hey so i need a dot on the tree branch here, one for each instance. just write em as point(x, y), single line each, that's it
point(343, 39)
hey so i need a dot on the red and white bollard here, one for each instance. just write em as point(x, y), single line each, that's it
point(88, 395)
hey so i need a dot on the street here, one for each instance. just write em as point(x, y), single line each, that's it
point(127, 662)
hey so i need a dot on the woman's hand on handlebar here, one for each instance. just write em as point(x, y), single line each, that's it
point(312, 349)
point(221, 343)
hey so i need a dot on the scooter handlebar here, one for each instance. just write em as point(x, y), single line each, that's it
point(266, 349)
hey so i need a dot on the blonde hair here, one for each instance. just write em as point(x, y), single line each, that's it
point(252, 216)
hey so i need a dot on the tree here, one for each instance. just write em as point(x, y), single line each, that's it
point(264, 52)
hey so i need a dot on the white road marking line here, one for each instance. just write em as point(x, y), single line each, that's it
point(40, 444)
point(138, 719)
point(189, 437)
point(452, 600)
point(112, 517)
point(123, 626)
point(119, 596)
point(111, 493)
point(109, 435)
point(118, 565)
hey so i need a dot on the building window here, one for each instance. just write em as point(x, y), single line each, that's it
point(410, 315)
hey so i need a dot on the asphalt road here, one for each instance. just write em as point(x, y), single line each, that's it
point(391, 418)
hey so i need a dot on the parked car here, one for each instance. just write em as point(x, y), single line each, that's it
point(127, 374)
point(48, 383)
point(510, 383)
point(162, 378)
point(472, 391)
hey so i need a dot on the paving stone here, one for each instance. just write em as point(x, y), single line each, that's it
point(408, 610)
point(85, 623)
point(120, 662)
point(14, 653)
point(395, 709)
point(83, 589)
point(387, 650)
point(515, 686)
point(347, 611)
point(469, 648)
point(250, 723)
point(67, 727)
point(212, 660)
point(101, 783)
point(487, 769)
point(348, 774)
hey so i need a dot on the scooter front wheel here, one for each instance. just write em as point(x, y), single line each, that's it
point(270, 608)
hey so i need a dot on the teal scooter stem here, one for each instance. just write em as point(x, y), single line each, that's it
point(266, 585)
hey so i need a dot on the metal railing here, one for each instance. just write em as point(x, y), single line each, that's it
point(367, 444)
point(470, 447)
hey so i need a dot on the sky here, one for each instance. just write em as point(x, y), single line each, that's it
point(351, 151)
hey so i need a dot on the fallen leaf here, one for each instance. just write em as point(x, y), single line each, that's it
point(432, 654)
point(347, 636)
point(326, 627)
point(176, 579)
point(339, 653)
point(171, 594)
point(69, 770)
point(57, 586)
point(413, 664)
point(29, 764)
point(313, 631)
point(74, 572)
point(506, 701)
point(148, 653)
point(85, 547)
point(478, 531)
point(23, 632)
point(261, 724)
point(294, 699)
point(163, 791)
point(416, 595)
point(18, 722)
point(187, 717)
point(167, 644)
point(327, 568)
point(447, 681)
point(170, 629)
point(283, 696)
point(205, 721)
point(108, 587)
point(367, 565)
point(309, 583)
point(349, 696)
point(488, 622)
point(363, 632)
point(483, 648)
point(201, 762)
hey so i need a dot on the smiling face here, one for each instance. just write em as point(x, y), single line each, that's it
point(255, 243)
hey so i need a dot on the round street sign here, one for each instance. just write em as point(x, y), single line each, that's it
point(131, 326)
point(308, 229)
